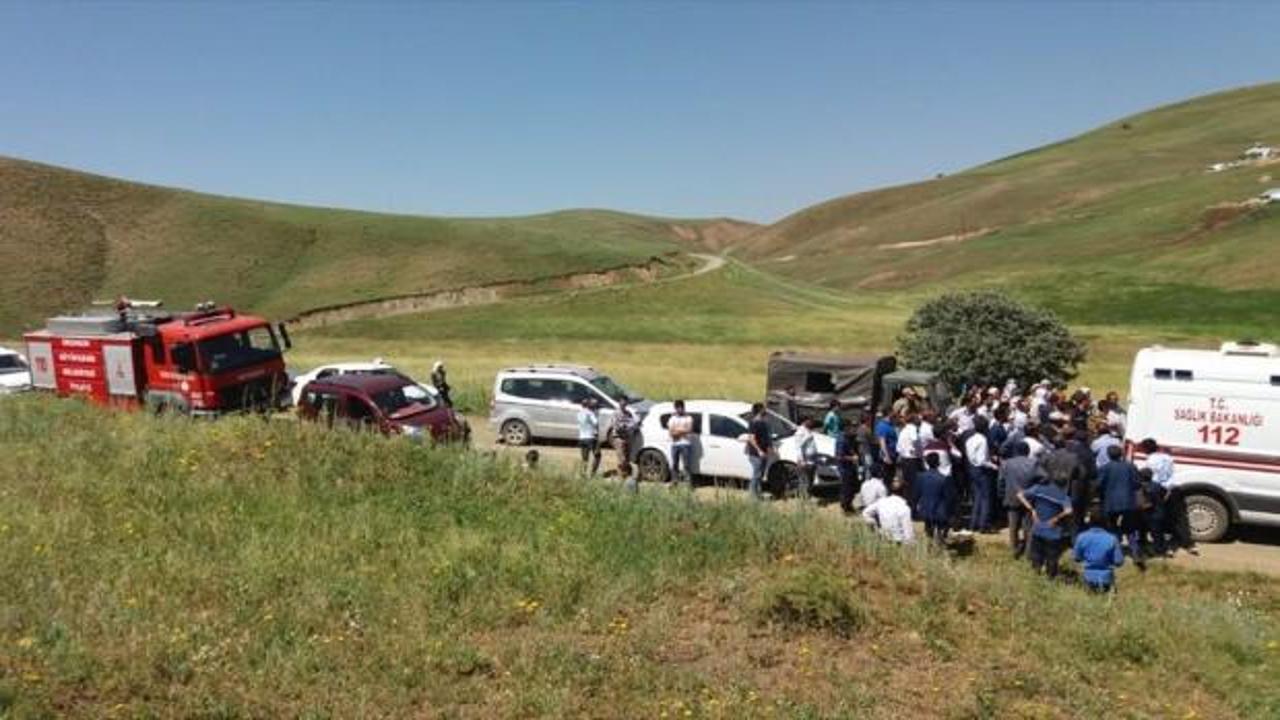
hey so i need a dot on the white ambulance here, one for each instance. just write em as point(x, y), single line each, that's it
point(1218, 414)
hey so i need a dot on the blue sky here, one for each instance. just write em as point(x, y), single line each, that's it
point(751, 110)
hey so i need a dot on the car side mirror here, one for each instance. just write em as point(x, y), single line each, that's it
point(183, 358)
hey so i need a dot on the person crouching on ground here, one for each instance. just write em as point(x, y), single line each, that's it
point(892, 516)
point(1099, 552)
point(935, 500)
point(1049, 506)
point(589, 436)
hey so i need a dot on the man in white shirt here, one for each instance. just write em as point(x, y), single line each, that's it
point(910, 447)
point(892, 516)
point(589, 435)
point(982, 476)
point(680, 428)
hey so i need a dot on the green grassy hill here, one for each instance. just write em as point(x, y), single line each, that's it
point(68, 237)
point(252, 568)
point(1121, 224)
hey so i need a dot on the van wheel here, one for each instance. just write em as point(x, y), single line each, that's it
point(515, 433)
point(1207, 518)
point(783, 478)
point(651, 466)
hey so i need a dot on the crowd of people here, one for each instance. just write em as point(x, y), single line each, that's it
point(1053, 461)
point(1048, 466)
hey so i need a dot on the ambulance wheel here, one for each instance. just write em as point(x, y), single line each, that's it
point(651, 466)
point(515, 433)
point(1207, 518)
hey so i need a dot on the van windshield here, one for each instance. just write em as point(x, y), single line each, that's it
point(238, 349)
point(606, 385)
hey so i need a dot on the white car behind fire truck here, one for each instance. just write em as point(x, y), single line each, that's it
point(1218, 414)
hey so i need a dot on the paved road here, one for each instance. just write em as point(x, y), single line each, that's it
point(1255, 550)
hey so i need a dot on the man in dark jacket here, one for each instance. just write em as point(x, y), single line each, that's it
point(934, 505)
point(1082, 489)
point(1118, 486)
point(1018, 473)
point(1062, 463)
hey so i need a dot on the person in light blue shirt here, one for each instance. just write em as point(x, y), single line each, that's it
point(832, 423)
point(1099, 551)
point(589, 435)
point(1049, 506)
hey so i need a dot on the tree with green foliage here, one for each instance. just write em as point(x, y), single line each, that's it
point(988, 337)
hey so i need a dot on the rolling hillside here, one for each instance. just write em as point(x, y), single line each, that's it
point(67, 237)
point(1127, 212)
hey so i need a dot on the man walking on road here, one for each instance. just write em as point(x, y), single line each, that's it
point(680, 428)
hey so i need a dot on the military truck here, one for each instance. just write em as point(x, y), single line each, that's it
point(802, 385)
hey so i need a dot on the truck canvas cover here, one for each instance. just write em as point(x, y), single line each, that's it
point(818, 379)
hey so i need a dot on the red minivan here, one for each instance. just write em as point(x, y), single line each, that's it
point(391, 404)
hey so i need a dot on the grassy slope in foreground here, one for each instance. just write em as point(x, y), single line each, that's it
point(67, 237)
point(1117, 219)
point(255, 568)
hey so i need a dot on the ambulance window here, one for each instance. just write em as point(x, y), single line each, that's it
point(1164, 374)
point(1275, 379)
point(1183, 375)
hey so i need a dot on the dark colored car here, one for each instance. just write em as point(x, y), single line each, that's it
point(391, 404)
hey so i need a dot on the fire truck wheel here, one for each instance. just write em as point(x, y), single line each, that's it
point(1207, 518)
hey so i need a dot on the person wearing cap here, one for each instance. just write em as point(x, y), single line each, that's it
point(440, 381)
point(906, 404)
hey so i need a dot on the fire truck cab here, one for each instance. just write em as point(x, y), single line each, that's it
point(206, 362)
point(1216, 413)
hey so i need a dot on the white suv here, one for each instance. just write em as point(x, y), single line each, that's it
point(542, 401)
point(719, 446)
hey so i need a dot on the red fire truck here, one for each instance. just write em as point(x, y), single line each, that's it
point(209, 361)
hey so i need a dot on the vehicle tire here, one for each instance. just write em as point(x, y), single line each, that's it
point(783, 479)
point(515, 433)
point(651, 466)
point(1207, 518)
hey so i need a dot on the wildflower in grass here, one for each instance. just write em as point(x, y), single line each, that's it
point(26, 642)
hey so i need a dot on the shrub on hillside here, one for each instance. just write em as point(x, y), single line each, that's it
point(988, 337)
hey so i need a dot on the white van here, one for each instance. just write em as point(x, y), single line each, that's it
point(1218, 414)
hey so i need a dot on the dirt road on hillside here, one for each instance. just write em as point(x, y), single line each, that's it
point(1255, 549)
point(646, 273)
